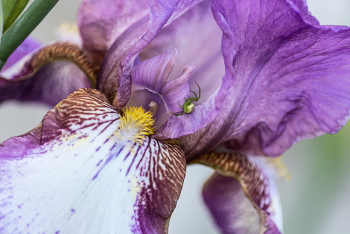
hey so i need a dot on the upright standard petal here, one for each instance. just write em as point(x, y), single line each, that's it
point(83, 171)
point(197, 37)
point(243, 197)
point(48, 75)
point(114, 78)
point(101, 22)
point(286, 78)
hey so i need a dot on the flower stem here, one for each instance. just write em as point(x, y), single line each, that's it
point(21, 29)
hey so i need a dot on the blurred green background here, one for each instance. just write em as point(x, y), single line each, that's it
point(314, 200)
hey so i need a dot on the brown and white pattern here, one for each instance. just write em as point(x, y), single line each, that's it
point(242, 184)
point(49, 74)
point(70, 175)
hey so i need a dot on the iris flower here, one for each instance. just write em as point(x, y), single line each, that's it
point(111, 157)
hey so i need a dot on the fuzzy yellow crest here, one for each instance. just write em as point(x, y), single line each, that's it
point(279, 167)
point(68, 32)
point(135, 124)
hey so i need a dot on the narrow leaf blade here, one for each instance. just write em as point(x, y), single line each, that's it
point(17, 10)
point(1, 20)
point(7, 8)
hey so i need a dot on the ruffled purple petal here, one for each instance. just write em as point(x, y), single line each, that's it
point(286, 78)
point(27, 46)
point(78, 172)
point(301, 6)
point(47, 75)
point(197, 37)
point(243, 198)
point(114, 78)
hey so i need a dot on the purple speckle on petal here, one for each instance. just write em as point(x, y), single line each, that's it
point(99, 162)
point(72, 210)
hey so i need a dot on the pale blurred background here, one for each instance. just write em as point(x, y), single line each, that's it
point(315, 200)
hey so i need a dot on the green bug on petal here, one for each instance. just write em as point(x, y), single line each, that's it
point(188, 106)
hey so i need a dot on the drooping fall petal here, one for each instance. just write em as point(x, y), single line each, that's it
point(82, 171)
point(48, 75)
point(243, 197)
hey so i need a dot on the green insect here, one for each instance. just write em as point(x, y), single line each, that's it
point(188, 106)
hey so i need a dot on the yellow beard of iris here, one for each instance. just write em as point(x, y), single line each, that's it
point(135, 124)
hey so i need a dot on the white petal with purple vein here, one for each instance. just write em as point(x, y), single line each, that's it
point(88, 181)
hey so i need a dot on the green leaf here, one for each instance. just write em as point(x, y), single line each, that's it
point(17, 10)
point(21, 29)
point(7, 7)
point(1, 20)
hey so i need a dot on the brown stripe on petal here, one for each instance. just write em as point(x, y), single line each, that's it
point(83, 109)
point(163, 169)
point(65, 51)
point(252, 178)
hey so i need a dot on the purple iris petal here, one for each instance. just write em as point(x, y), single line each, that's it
point(289, 79)
point(50, 84)
point(176, 91)
point(27, 46)
point(47, 75)
point(78, 172)
point(286, 78)
point(243, 198)
point(197, 38)
point(153, 73)
point(116, 67)
point(102, 22)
